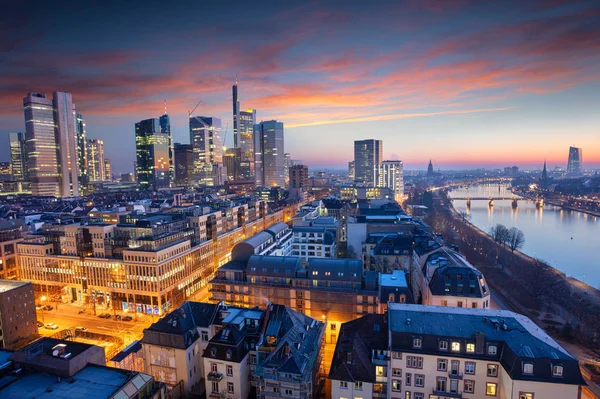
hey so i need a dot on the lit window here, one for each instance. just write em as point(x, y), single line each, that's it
point(379, 371)
point(456, 346)
point(557, 371)
point(525, 395)
point(470, 348)
point(396, 385)
point(490, 389)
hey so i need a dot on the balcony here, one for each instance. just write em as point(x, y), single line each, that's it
point(455, 375)
point(215, 376)
point(446, 394)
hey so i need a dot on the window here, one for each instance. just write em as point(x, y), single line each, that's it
point(459, 304)
point(333, 327)
point(396, 385)
point(470, 347)
point(215, 387)
point(417, 343)
point(343, 384)
point(358, 385)
point(527, 368)
point(443, 345)
point(289, 392)
point(492, 350)
point(419, 380)
point(469, 367)
point(414, 362)
point(407, 395)
point(469, 386)
point(408, 379)
point(397, 355)
point(213, 367)
point(442, 364)
point(490, 389)
point(455, 346)
point(492, 370)
point(397, 372)
point(419, 395)
point(230, 387)
point(228, 354)
point(444, 303)
point(525, 395)
point(379, 371)
point(557, 370)
point(440, 384)
point(455, 365)
point(229, 371)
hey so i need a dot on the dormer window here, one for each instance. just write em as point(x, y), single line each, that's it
point(455, 346)
point(557, 370)
point(527, 368)
point(471, 348)
point(492, 350)
point(213, 352)
point(417, 343)
point(228, 354)
point(443, 345)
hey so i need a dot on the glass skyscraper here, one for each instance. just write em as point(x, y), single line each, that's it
point(82, 158)
point(205, 138)
point(165, 127)
point(269, 154)
point(95, 152)
point(152, 154)
point(368, 155)
point(575, 161)
point(391, 175)
point(18, 156)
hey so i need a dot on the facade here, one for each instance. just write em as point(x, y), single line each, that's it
point(95, 153)
point(205, 138)
point(575, 161)
point(165, 127)
point(368, 155)
point(232, 162)
point(152, 155)
point(451, 352)
point(351, 170)
point(391, 176)
point(298, 181)
point(107, 170)
point(269, 154)
point(51, 144)
point(315, 241)
point(18, 156)
point(18, 321)
point(246, 134)
point(82, 158)
point(11, 233)
point(184, 159)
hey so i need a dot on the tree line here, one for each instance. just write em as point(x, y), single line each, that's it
point(512, 238)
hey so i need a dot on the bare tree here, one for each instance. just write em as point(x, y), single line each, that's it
point(516, 239)
point(500, 234)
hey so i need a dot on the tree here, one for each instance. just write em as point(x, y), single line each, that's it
point(516, 238)
point(500, 233)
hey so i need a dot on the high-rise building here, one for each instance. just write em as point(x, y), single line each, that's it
point(165, 127)
point(18, 156)
point(351, 170)
point(95, 162)
point(298, 178)
point(152, 154)
point(575, 161)
point(232, 161)
point(243, 136)
point(82, 159)
point(184, 159)
point(107, 170)
point(430, 172)
point(205, 138)
point(287, 163)
point(391, 176)
point(51, 144)
point(236, 115)
point(368, 155)
point(268, 154)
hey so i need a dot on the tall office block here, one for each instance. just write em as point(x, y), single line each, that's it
point(95, 154)
point(152, 154)
point(391, 175)
point(165, 127)
point(82, 159)
point(18, 156)
point(51, 144)
point(236, 114)
point(575, 161)
point(232, 162)
point(246, 134)
point(268, 154)
point(351, 170)
point(205, 138)
point(107, 169)
point(287, 163)
point(183, 160)
point(368, 155)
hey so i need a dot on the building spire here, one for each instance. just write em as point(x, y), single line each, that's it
point(165, 107)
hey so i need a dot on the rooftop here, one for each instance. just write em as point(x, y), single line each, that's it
point(396, 279)
point(7, 285)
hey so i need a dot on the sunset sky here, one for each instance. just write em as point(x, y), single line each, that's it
point(465, 83)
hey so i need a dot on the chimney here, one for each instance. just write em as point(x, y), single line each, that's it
point(479, 342)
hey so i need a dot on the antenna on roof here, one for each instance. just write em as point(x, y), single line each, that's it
point(165, 107)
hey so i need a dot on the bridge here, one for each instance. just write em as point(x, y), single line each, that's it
point(483, 198)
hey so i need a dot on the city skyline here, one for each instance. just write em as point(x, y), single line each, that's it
point(515, 90)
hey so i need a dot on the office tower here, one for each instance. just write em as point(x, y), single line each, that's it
point(152, 154)
point(165, 127)
point(18, 156)
point(205, 138)
point(368, 155)
point(236, 115)
point(351, 170)
point(184, 160)
point(287, 163)
point(268, 154)
point(82, 158)
point(575, 161)
point(391, 176)
point(95, 154)
point(232, 162)
point(107, 170)
point(51, 144)
point(246, 134)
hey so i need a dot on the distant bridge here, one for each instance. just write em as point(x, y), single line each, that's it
point(484, 198)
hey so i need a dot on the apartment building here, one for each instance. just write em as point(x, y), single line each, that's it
point(18, 321)
point(315, 236)
point(11, 233)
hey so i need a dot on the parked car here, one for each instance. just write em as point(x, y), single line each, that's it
point(40, 324)
point(39, 307)
point(79, 328)
point(52, 326)
point(105, 316)
point(118, 316)
point(47, 307)
point(127, 318)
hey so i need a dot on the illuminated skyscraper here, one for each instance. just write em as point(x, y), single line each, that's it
point(391, 176)
point(51, 144)
point(95, 162)
point(231, 161)
point(18, 156)
point(268, 154)
point(184, 160)
point(107, 170)
point(82, 159)
point(243, 136)
point(152, 154)
point(575, 161)
point(351, 170)
point(205, 138)
point(368, 155)
point(165, 127)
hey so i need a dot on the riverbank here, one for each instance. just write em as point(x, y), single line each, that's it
point(560, 205)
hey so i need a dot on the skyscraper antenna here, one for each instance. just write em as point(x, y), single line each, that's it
point(236, 78)
point(165, 107)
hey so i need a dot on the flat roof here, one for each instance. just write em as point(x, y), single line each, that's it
point(396, 279)
point(7, 285)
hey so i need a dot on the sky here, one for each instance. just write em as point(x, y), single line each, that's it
point(464, 83)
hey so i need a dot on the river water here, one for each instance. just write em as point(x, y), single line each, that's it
point(567, 240)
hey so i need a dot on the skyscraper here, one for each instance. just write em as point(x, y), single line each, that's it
point(430, 172)
point(51, 144)
point(95, 153)
point(165, 127)
point(368, 155)
point(351, 170)
point(391, 175)
point(82, 159)
point(287, 163)
point(247, 119)
point(184, 160)
point(18, 156)
point(152, 154)
point(205, 138)
point(575, 161)
point(236, 114)
point(298, 176)
point(232, 162)
point(268, 154)
point(107, 170)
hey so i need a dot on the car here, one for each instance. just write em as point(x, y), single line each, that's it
point(47, 307)
point(79, 328)
point(118, 316)
point(127, 318)
point(104, 316)
point(40, 324)
point(39, 307)
point(52, 326)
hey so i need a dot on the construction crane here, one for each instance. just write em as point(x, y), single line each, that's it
point(225, 136)
point(192, 111)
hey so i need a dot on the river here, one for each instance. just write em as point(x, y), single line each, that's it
point(567, 240)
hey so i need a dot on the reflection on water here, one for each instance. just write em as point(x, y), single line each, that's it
point(568, 240)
